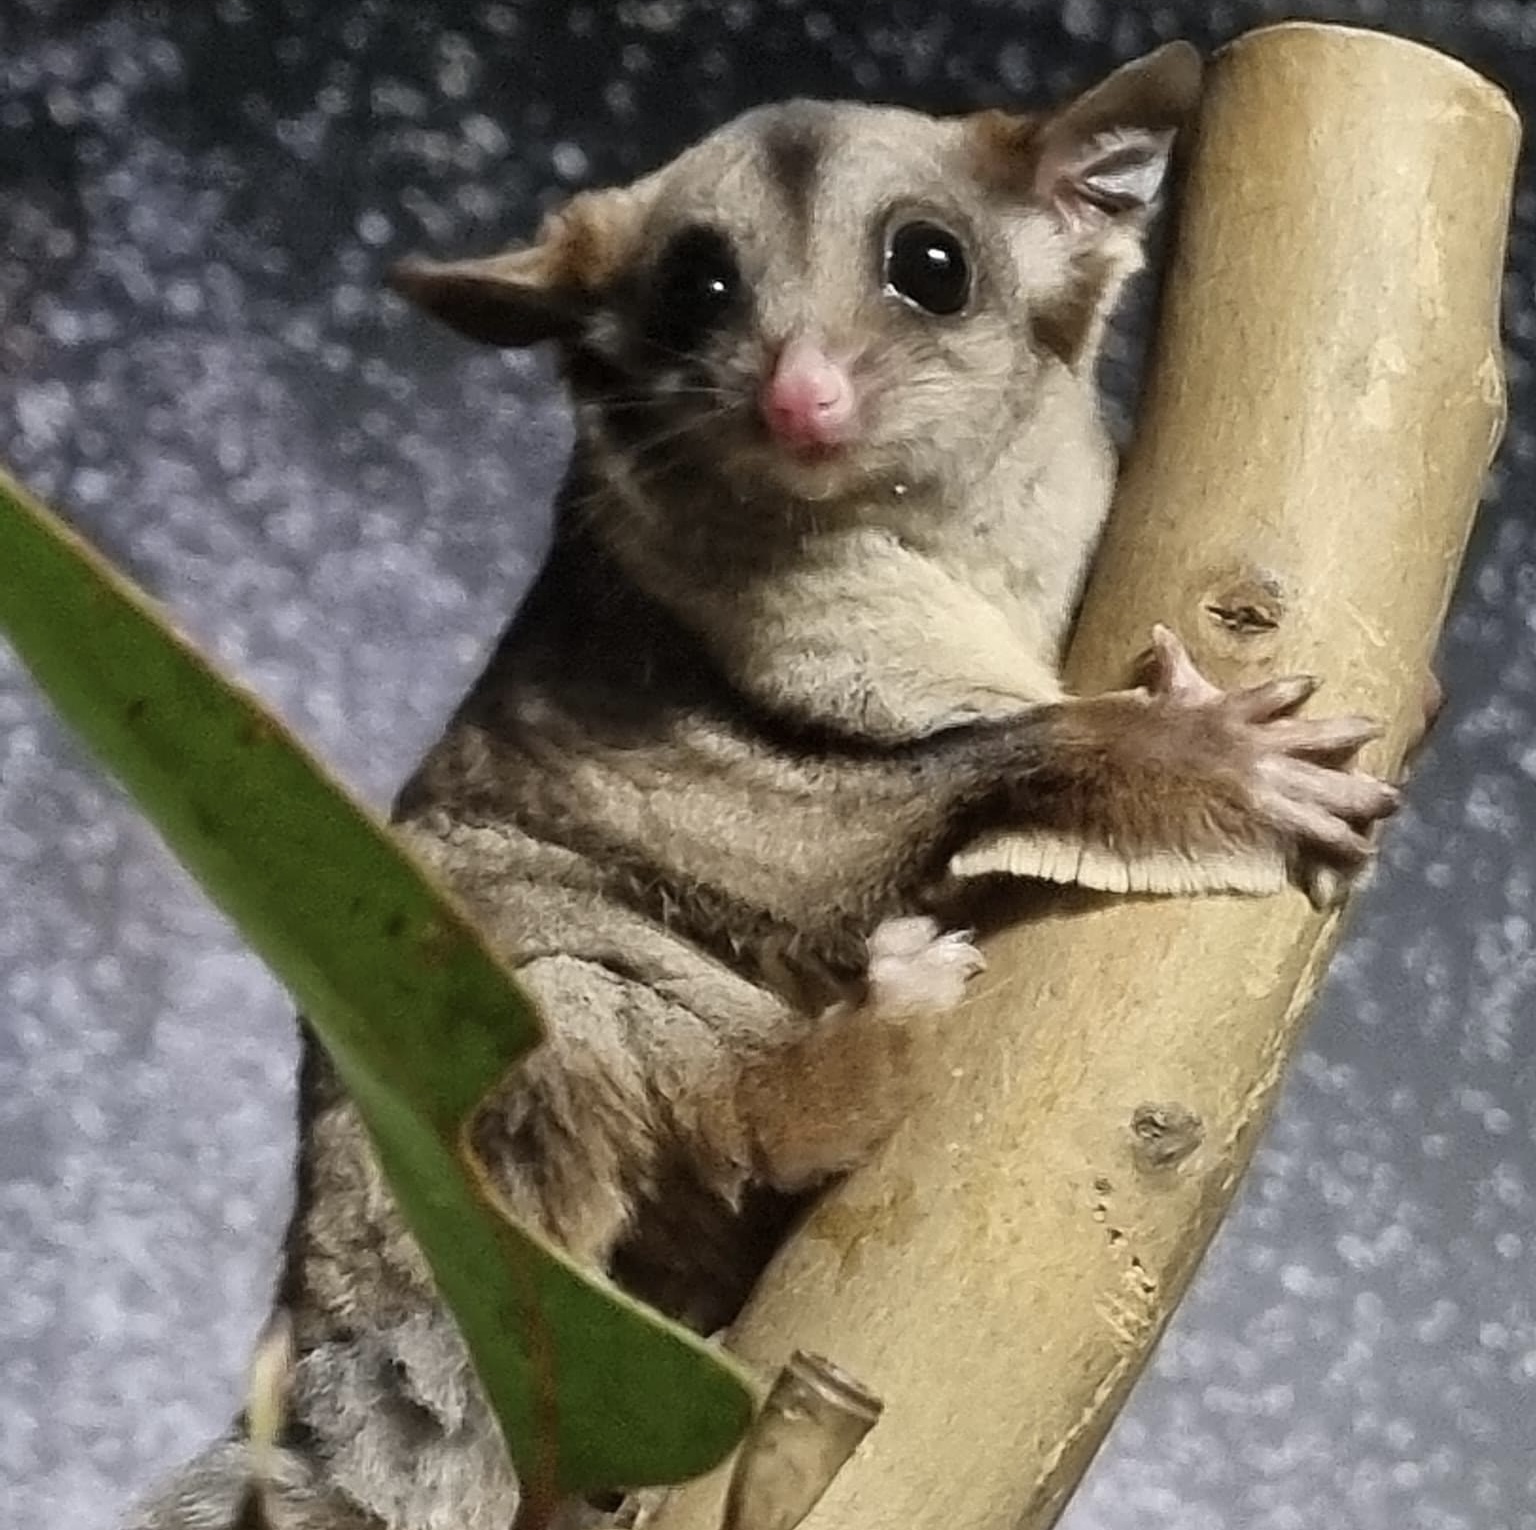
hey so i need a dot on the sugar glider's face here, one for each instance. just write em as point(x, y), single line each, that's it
point(823, 300)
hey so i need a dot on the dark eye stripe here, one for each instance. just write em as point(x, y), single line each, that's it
point(696, 287)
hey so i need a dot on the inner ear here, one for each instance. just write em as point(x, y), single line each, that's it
point(544, 290)
point(1110, 174)
point(1103, 156)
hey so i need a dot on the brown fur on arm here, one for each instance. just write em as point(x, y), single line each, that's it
point(1180, 787)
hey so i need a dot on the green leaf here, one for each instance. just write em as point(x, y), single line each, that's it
point(593, 1390)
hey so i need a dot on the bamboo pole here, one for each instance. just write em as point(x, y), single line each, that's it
point(1326, 394)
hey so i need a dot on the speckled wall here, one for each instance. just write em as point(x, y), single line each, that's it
point(342, 504)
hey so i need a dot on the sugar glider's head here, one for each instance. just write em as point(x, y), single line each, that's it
point(820, 299)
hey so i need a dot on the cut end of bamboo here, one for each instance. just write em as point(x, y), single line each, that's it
point(811, 1422)
point(1391, 51)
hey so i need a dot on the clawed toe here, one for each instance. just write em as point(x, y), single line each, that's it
point(1331, 740)
point(1170, 672)
point(1348, 794)
point(1324, 886)
point(908, 975)
point(1274, 698)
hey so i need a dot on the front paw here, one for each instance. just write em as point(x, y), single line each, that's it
point(913, 968)
point(1296, 774)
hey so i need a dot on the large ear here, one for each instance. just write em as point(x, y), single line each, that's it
point(1097, 165)
point(541, 291)
point(1102, 157)
point(1105, 155)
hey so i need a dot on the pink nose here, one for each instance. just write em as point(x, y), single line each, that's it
point(808, 401)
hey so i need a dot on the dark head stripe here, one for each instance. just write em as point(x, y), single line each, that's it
point(793, 145)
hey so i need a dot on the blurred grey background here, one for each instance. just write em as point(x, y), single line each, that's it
point(197, 364)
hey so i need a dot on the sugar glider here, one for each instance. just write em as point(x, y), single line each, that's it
point(839, 467)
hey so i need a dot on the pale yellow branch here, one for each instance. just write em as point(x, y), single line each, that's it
point(1324, 400)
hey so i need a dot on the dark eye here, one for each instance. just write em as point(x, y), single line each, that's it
point(926, 266)
point(697, 285)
